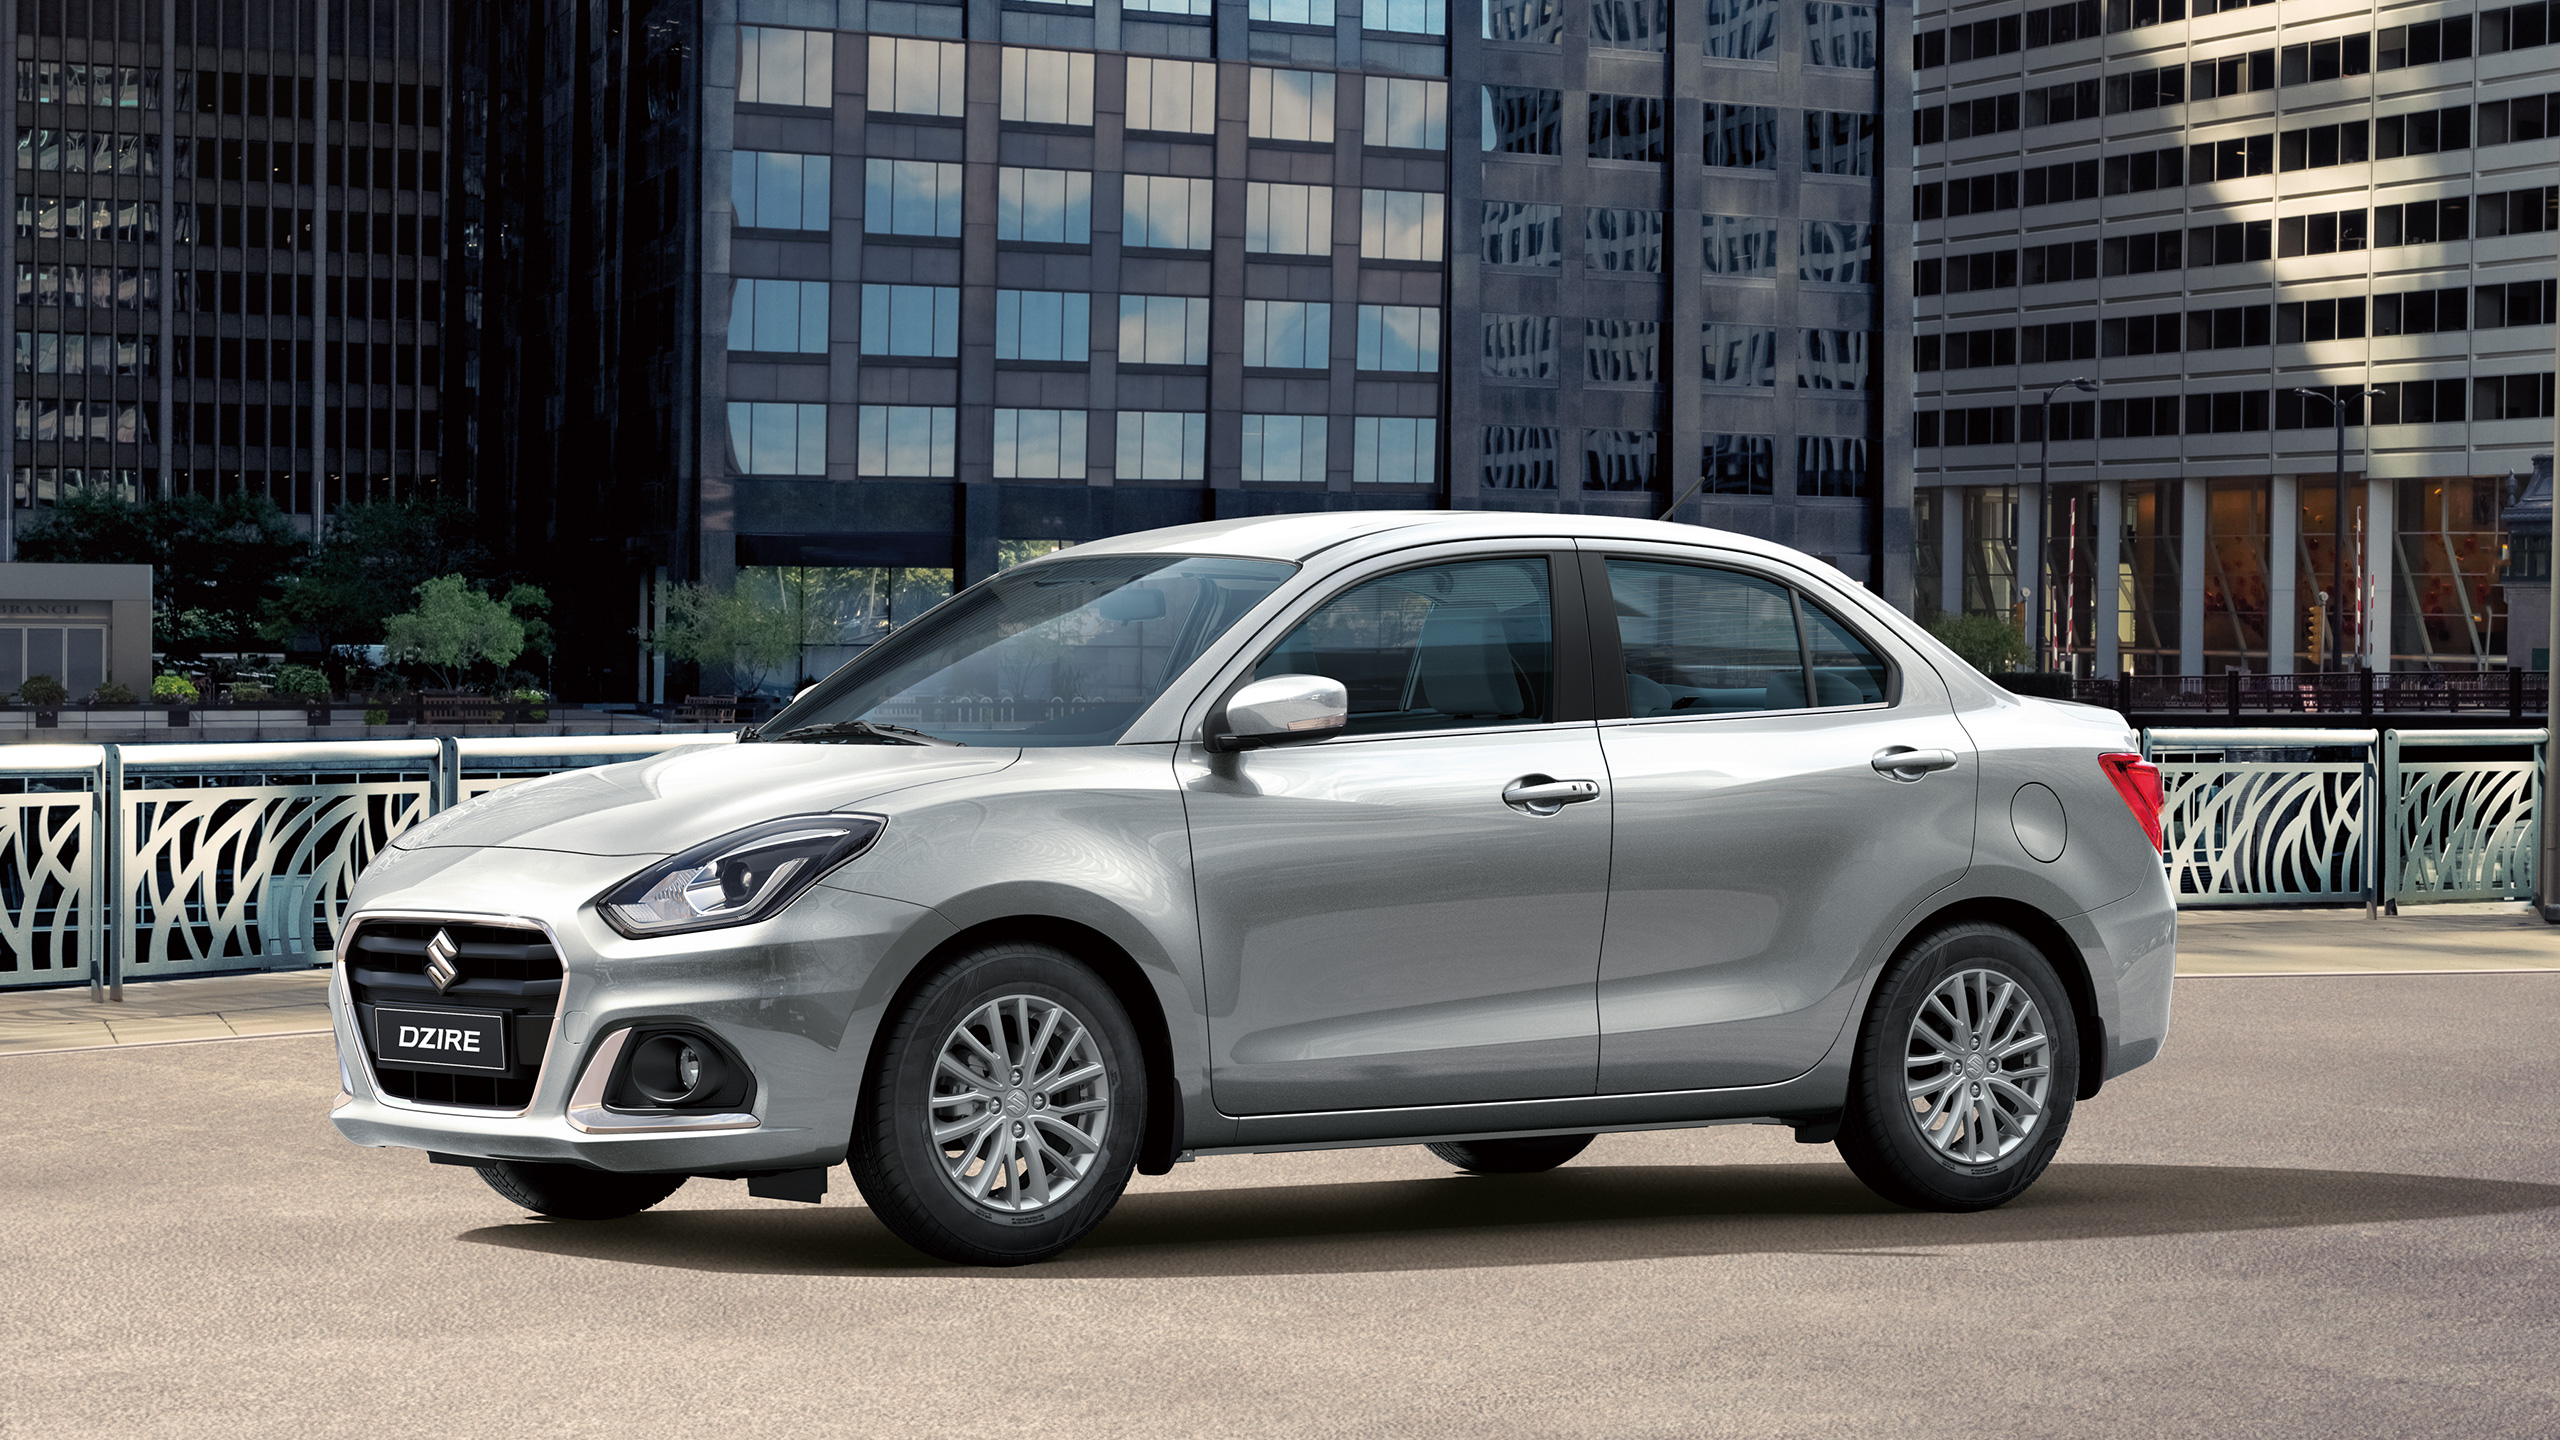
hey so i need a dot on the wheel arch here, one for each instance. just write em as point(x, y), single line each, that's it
point(1162, 1140)
point(2069, 965)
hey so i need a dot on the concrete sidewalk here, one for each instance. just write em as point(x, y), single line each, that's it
point(2502, 936)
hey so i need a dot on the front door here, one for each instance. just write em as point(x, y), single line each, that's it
point(1761, 853)
point(1380, 926)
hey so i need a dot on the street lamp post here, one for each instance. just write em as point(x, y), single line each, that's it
point(2337, 614)
point(2044, 503)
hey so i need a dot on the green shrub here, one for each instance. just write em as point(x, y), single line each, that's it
point(114, 692)
point(377, 716)
point(302, 682)
point(174, 690)
point(43, 692)
point(1988, 643)
point(248, 692)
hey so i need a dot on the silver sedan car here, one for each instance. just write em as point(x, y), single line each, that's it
point(1482, 832)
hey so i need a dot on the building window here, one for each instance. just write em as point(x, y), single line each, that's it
point(911, 320)
point(784, 316)
point(1622, 242)
point(778, 439)
point(1284, 449)
point(1414, 17)
point(1288, 219)
point(1738, 465)
point(1521, 234)
point(1523, 120)
point(910, 197)
point(1742, 137)
point(1173, 95)
point(1831, 467)
point(1040, 444)
point(1163, 445)
point(1618, 459)
point(1621, 352)
point(1285, 12)
point(1738, 354)
point(1521, 457)
point(1405, 114)
point(1290, 105)
point(1394, 451)
point(1402, 224)
point(1626, 127)
point(1046, 87)
point(1740, 246)
point(1839, 142)
point(1052, 207)
point(1043, 325)
point(1399, 337)
point(916, 77)
point(912, 440)
point(1630, 24)
point(787, 192)
point(786, 67)
point(1288, 334)
point(1164, 212)
point(1519, 347)
point(1530, 22)
point(1164, 330)
point(1840, 36)
point(1839, 252)
point(1742, 29)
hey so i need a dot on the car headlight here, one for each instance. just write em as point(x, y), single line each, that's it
point(740, 878)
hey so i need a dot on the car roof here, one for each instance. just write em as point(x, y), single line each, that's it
point(1302, 537)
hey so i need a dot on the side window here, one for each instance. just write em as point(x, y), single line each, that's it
point(1442, 647)
point(1703, 641)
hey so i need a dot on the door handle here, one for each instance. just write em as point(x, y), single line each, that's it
point(1539, 795)
point(1901, 762)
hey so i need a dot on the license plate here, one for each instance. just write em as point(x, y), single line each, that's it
point(441, 1039)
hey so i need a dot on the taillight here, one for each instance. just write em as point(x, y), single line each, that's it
point(2138, 781)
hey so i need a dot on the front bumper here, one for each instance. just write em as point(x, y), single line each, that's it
point(797, 998)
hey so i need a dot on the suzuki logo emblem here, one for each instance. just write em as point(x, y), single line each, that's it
point(440, 955)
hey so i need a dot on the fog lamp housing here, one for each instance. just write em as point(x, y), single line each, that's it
point(678, 1068)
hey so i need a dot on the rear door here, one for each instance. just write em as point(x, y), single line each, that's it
point(1765, 841)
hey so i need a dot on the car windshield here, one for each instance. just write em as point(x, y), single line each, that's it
point(1062, 652)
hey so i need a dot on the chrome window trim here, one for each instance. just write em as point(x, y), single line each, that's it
point(355, 1021)
point(588, 1112)
point(1694, 719)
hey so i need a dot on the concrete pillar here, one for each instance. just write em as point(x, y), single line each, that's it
point(1951, 502)
point(2379, 581)
point(2030, 580)
point(2106, 529)
point(2284, 564)
point(2193, 516)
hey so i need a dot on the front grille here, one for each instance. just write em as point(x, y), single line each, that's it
point(510, 968)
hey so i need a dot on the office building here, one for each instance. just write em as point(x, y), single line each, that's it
point(2206, 210)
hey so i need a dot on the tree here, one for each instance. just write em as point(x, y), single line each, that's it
point(1988, 643)
point(748, 636)
point(215, 564)
point(368, 567)
point(455, 628)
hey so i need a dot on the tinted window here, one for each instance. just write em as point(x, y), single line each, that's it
point(1703, 641)
point(1438, 648)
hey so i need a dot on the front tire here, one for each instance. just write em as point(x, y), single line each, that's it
point(574, 1192)
point(1526, 1156)
point(1003, 1115)
point(1965, 1072)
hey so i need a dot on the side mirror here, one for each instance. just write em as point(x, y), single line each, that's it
point(1283, 707)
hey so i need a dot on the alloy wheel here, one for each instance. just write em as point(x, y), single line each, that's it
point(1977, 1067)
point(1021, 1102)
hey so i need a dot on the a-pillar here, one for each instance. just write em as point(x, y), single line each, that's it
point(2194, 514)
point(2379, 532)
point(2106, 611)
point(2284, 545)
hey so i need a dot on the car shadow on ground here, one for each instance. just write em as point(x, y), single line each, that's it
point(1570, 1216)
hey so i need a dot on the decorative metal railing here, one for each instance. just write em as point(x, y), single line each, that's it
point(236, 857)
point(2346, 697)
point(2307, 817)
point(221, 857)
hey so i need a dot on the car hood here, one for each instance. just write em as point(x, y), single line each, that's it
point(668, 802)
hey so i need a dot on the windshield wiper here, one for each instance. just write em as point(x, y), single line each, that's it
point(859, 732)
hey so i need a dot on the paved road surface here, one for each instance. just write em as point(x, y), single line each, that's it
point(2332, 1209)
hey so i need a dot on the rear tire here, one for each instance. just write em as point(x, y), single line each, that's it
point(573, 1192)
point(1965, 1072)
point(1003, 1116)
point(1511, 1157)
